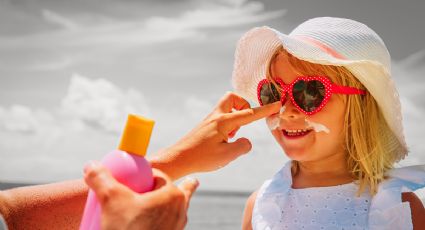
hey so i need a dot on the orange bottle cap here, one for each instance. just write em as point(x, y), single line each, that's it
point(136, 135)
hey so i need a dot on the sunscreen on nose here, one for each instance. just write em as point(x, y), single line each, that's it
point(282, 110)
point(127, 164)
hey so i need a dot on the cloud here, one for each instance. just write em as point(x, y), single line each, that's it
point(215, 15)
point(96, 103)
point(88, 36)
point(414, 61)
point(101, 104)
point(197, 108)
point(103, 30)
point(53, 64)
point(57, 19)
point(44, 145)
point(18, 119)
point(35, 127)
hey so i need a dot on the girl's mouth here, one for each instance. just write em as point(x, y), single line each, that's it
point(295, 133)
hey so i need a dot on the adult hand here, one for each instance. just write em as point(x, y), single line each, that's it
point(163, 208)
point(207, 146)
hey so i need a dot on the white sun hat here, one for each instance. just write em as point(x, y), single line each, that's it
point(327, 41)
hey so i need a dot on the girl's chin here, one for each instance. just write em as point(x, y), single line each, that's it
point(296, 151)
point(296, 147)
point(296, 155)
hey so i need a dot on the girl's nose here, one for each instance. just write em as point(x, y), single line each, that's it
point(290, 111)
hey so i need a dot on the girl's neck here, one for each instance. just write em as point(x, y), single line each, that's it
point(321, 173)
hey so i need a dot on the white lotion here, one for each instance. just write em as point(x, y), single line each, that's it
point(282, 110)
point(273, 121)
point(316, 126)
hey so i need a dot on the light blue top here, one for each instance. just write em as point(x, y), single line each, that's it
point(278, 206)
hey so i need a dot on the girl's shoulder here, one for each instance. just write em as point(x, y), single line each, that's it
point(399, 187)
point(395, 199)
point(247, 215)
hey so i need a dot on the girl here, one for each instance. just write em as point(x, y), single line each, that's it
point(340, 124)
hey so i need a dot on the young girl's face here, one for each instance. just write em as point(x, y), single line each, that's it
point(314, 145)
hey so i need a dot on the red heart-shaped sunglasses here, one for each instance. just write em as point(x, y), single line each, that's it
point(308, 94)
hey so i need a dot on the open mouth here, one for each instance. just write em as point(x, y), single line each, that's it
point(295, 132)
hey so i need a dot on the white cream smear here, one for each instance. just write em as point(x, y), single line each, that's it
point(316, 126)
point(282, 110)
point(273, 122)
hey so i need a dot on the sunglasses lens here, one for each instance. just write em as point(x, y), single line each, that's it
point(308, 95)
point(269, 94)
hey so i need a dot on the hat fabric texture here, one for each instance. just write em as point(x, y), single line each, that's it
point(326, 41)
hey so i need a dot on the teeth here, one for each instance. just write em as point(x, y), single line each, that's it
point(297, 132)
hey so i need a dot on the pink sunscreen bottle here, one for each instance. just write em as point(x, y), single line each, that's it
point(127, 165)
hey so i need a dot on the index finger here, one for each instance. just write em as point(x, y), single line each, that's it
point(232, 101)
point(246, 116)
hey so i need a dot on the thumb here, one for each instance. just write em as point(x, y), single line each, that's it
point(239, 147)
point(188, 187)
point(100, 180)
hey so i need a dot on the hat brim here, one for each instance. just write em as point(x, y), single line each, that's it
point(257, 46)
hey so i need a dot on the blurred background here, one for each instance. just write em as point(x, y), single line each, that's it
point(70, 71)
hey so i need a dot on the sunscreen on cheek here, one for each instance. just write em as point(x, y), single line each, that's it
point(316, 126)
point(273, 121)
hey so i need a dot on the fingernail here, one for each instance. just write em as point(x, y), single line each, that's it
point(192, 180)
point(91, 165)
point(87, 166)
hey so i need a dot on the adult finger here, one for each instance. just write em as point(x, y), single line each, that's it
point(239, 147)
point(100, 180)
point(232, 101)
point(233, 133)
point(246, 116)
point(188, 187)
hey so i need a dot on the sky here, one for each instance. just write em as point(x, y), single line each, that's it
point(70, 72)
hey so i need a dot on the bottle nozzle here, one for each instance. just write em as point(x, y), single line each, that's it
point(136, 135)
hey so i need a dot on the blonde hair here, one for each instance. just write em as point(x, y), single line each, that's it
point(370, 145)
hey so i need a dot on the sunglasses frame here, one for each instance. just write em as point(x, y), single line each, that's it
point(330, 89)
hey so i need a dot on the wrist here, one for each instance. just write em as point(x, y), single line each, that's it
point(5, 209)
point(170, 162)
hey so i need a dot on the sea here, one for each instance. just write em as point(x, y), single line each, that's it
point(208, 210)
point(216, 210)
